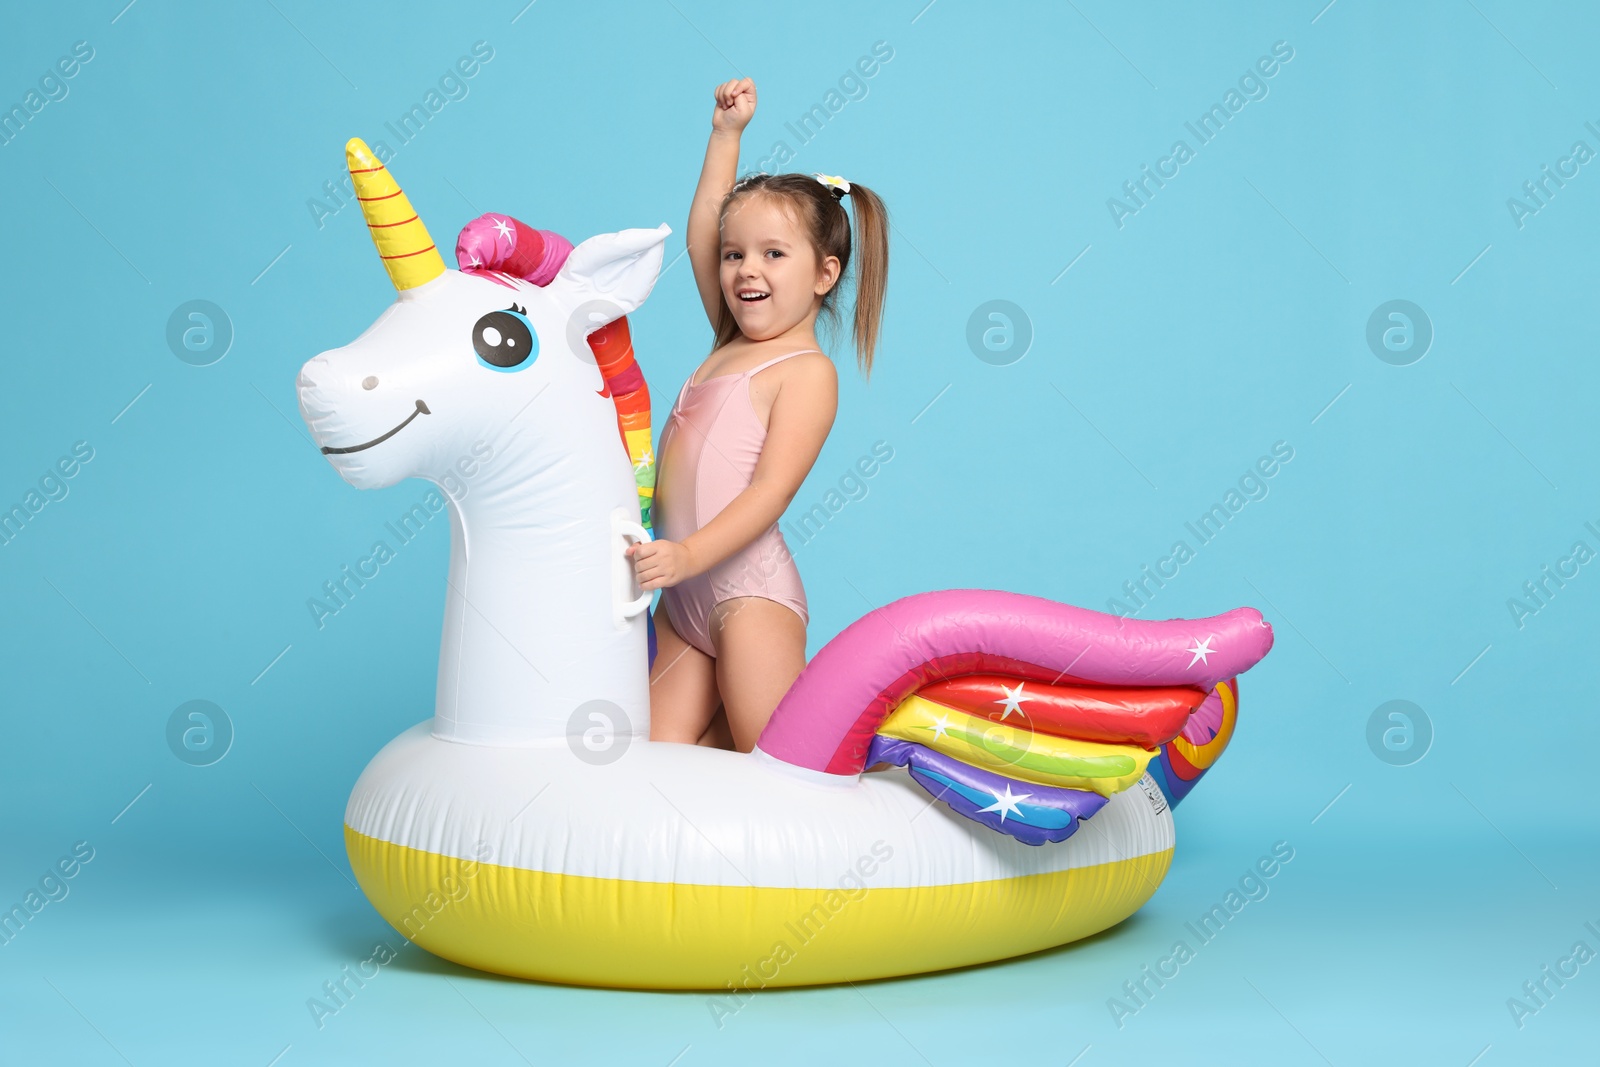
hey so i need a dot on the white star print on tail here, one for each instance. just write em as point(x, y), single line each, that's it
point(1013, 702)
point(1007, 803)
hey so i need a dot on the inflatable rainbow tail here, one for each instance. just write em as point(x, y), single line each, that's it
point(1031, 759)
point(1187, 757)
point(1022, 714)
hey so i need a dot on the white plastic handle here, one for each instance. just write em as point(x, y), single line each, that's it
point(638, 533)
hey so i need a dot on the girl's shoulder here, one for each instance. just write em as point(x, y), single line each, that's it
point(806, 372)
point(810, 362)
point(788, 363)
point(736, 358)
point(807, 378)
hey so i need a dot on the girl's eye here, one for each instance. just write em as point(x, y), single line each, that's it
point(731, 255)
point(504, 340)
point(773, 252)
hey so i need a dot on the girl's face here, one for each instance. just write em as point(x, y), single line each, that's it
point(770, 275)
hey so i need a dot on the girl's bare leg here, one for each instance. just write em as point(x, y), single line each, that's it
point(683, 686)
point(718, 735)
point(761, 649)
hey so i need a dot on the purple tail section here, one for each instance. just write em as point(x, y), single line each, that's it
point(1033, 814)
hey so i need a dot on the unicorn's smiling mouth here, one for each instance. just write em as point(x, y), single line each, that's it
point(421, 409)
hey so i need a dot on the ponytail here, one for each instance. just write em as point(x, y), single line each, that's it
point(872, 271)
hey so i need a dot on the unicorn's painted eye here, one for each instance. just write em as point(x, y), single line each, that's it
point(504, 340)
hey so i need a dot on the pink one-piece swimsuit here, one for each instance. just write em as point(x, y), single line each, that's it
point(722, 439)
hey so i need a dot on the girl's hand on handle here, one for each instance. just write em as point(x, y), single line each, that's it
point(736, 105)
point(658, 564)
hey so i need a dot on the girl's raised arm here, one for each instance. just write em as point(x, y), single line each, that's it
point(736, 103)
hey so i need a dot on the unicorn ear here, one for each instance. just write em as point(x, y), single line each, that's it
point(609, 276)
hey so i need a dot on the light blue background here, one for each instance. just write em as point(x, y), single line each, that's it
point(1223, 317)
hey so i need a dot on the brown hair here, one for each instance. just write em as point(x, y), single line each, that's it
point(823, 218)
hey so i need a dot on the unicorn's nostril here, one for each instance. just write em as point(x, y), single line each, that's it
point(369, 382)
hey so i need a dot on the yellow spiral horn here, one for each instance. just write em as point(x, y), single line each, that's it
point(408, 252)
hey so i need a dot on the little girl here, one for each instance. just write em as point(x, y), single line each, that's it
point(768, 253)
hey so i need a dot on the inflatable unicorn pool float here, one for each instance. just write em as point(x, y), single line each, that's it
point(530, 828)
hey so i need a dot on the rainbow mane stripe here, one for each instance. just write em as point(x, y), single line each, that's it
point(612, 345)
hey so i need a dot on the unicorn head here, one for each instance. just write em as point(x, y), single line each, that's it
point(459, 351)
point(514, 373)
